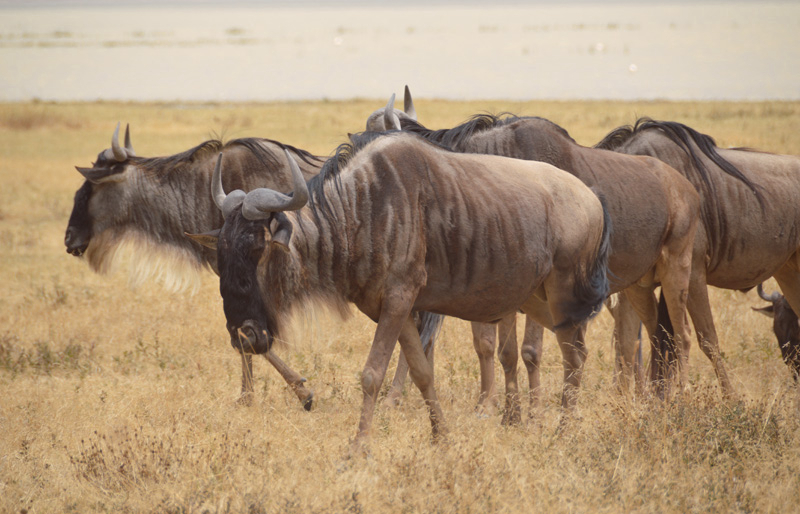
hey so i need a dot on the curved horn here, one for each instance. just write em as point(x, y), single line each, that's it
point(260, 203)
point(225, 202)
point(119, 153)
point(408, 105)
point(774, 297)
point(128, 147)
point(217, 191)
point(390, 120)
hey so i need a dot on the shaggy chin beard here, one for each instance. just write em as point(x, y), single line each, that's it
point(176, 268)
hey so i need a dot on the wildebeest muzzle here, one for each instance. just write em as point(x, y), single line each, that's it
point(251, 338)
point(74, 241)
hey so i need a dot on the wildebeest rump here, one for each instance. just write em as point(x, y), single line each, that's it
point(396, 224)
point(750, 218)
point(149, 203)
point(653, 208)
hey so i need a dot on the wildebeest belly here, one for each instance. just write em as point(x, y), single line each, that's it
point(488, 280)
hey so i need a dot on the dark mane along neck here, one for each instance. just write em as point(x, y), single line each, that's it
point(690, 141)
point(179, 160)
point(457, 138)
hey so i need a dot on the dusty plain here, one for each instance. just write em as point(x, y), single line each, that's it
point(115, 399)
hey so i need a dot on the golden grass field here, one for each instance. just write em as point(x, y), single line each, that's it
point(123, 400)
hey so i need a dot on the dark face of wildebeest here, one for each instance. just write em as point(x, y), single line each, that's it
point(110, 165)
point(254, 243)
point(248, 321)
point(786, 327)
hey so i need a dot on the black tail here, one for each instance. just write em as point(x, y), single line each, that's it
point(664, 344)
point(592, 290)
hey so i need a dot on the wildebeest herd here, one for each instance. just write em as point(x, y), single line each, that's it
point(500, 215)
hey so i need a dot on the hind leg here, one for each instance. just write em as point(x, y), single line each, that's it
point(509, 357)
point(627, 346)
point(484, 337)
point(532, 357)
point(675, 268)
point(643, 302)
point(703, 320)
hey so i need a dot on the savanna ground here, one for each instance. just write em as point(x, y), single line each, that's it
point(121, 400)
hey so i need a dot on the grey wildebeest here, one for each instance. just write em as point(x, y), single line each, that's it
point(749, 229)
point(149, 203)
point(395, 224)
point(786, 327)
point(653, 208)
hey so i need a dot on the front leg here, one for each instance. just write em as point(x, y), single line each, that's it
point(293, 378)
point(246, 398)
point(421, 370)
point(395, 311)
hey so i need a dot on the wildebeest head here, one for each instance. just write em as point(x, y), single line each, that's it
point(109, 167)
point(252, 244)
point(786, 327)
point(388, 118)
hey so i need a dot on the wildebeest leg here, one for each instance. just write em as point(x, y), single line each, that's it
point(703, 320)
point(508, 352)
point(573, 353)
point(484, 336)
point(532, 357)
point(246, 397)
point(398, 383)
point(400, 373)
point(643, 301)
point(627, 345)
point(421, 372)
point(292, 378)
point(394, 313)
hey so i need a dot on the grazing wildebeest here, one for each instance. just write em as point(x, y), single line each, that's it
point(394, 224)
point(749, 221)
point(786, 327)
point(149, 203)
point(653, 208)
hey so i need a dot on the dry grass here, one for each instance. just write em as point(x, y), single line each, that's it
point(119, 400)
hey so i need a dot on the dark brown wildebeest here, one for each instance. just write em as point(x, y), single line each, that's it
point(147, 204)
point(786, 327)
point(653, 208)
point(395, 224)
point(749, 221)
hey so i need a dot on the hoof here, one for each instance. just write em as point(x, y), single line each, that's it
point(246, 399)
point(393, 400)
point(308, 403)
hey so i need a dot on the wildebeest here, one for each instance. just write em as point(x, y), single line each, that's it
point(786, 327)
point(653, 208)
point(148, 204)
point(750, 215)
point(394, 224)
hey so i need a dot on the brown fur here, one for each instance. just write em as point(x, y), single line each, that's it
point(411, 227)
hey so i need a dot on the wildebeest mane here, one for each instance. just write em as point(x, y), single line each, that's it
point(455, 138)
point(331, 170)
point(265, 157)
point(682, 136)
point(170, 162)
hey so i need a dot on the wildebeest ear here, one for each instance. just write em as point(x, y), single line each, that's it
point(99, 175)
point(281, 230)
point(207, 239)
point(769, 310)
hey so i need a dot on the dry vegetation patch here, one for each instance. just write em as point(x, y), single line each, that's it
point(123, 400)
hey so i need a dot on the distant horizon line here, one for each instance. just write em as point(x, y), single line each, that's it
point(360, 3)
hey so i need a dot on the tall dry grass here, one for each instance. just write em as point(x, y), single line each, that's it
point(120, 400)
